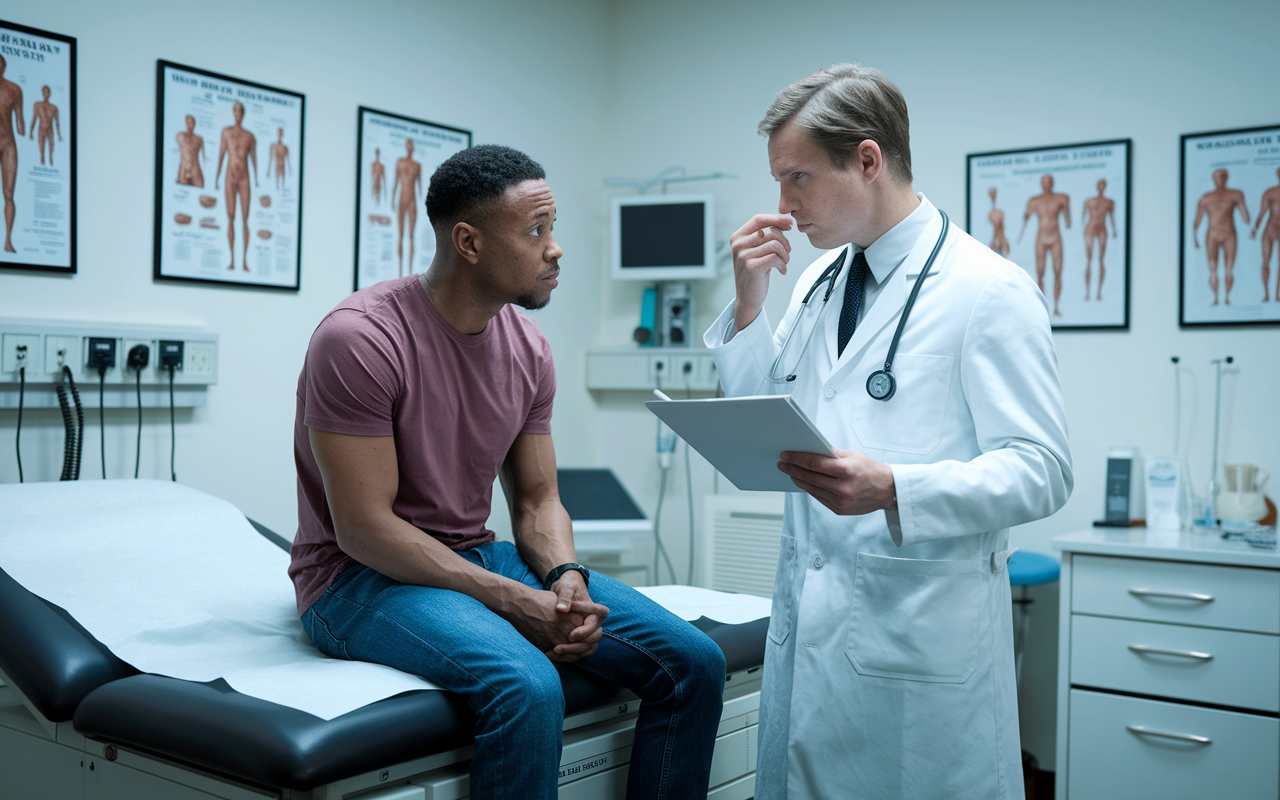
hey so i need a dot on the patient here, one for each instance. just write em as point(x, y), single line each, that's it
point(416, 393)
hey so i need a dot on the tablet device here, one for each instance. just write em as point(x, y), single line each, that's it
point(744, 437)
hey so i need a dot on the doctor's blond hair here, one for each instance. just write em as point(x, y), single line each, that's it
point(842, 106)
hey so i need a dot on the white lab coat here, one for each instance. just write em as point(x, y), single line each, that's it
point(889, 669)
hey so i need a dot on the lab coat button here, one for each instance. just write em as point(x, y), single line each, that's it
point(817, 562)
point(831, 392)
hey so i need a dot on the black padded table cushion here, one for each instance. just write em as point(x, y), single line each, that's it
point(48, 656)
point(208, 725)
point(69, 675)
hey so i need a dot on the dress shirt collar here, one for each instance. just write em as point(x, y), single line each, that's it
point(886, 253)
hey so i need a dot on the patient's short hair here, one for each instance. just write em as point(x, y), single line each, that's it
point(842, 106)
point(463, 187)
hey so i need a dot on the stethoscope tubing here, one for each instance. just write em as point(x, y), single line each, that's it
point(831, 274)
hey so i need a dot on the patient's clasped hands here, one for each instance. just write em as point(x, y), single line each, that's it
point(563, 623)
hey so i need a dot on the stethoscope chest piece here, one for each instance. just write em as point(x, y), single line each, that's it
point(881, 385)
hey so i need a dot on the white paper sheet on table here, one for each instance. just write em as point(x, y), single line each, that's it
point(176, 582)
point(691, 602)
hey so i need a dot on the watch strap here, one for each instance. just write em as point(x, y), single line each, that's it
point(554, 575)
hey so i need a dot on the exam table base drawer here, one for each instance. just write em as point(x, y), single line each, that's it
point(1108, 760)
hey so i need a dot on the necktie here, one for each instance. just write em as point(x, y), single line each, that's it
point(852, 302)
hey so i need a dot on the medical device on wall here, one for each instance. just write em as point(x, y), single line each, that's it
point(881, 384)
point(676, 317)
point(668, 237)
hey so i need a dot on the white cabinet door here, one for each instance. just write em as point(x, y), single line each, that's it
point(1126, 748)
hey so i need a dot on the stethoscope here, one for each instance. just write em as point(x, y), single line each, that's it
point(881, 384)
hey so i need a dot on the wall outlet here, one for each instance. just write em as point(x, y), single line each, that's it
point(169, 353)
point(199, 358)
point(60, 351)
point(21, 350)
point(660, 372)
point(102, 352)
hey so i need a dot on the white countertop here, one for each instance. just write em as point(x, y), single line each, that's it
point(1204, 547)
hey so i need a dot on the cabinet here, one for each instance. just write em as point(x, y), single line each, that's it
point(1169, 667)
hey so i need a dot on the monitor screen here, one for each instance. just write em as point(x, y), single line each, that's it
point(663, 237)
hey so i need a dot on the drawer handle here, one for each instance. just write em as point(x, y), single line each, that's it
point(1202, 598)
point(1184, 737)
point(1142, 648)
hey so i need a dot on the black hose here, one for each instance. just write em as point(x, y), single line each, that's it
point(75, 396)
point(17, 438)
point(102, 422)
point(69, 430)
point(137, 460)
point(173, 431)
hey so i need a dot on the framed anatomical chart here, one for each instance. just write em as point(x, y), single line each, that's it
point(38, 149)
point(395, 157)
point(1062, 214)
point(1230, 179)
point(228, 179)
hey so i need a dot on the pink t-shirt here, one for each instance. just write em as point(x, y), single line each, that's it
point(385, 363)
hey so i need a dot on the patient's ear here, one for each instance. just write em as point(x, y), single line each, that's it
point(466, 240)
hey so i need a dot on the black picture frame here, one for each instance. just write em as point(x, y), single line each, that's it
point(1251, 158)
point(1074, 166)
point(52, 199)
point(283, 217)
point(381, 125)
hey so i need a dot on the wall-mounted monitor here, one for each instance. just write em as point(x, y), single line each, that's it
point(666, 237)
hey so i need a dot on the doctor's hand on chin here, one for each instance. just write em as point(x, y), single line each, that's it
point(850, 484)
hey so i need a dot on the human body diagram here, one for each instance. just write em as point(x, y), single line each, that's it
point(998, 241)
point(10, 113)
point(1270, 237)
point(409, 181)
point(279, 156)
point(44, 115)
point(1047, 206)
point(191, 151)
point(1096, 211)
point(1220, 237)
point(239, 147)
point(378, 174)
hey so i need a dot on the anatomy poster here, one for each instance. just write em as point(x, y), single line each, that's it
point(396, 156)
point(228, 179)
point(1231, 227)
point(38, 149)
point(1062, 214)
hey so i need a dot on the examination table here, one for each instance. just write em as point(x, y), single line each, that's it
point(77, 722)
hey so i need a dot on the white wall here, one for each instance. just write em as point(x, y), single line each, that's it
point(514, 73)
point(694, 79)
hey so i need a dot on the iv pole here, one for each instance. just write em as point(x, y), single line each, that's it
point(1210, 517)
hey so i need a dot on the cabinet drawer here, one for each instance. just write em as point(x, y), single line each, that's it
point(1172, 591)
point(1106, 759)
point(1241, 669)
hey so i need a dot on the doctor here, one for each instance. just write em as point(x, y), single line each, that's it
point(889, 671)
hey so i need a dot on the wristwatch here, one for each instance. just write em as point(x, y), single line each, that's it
point(554, 575)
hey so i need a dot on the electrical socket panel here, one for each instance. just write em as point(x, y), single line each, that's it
point(54, 343)
point(671, 369)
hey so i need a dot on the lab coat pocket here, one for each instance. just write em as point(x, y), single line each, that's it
point(916, 620)
point(783, 591)
point(911, 420)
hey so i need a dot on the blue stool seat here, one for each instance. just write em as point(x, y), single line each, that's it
point(1030, 569)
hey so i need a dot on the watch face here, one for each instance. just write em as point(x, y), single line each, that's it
point(879, 385)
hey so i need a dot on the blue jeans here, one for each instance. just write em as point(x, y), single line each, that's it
point(452, 640)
